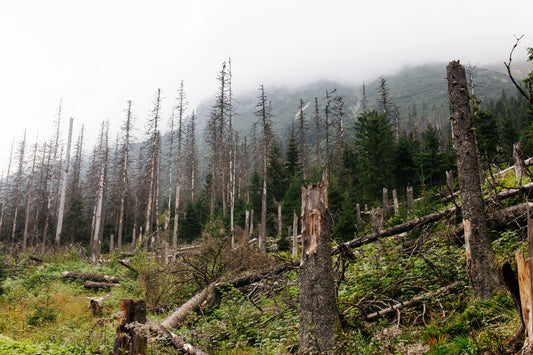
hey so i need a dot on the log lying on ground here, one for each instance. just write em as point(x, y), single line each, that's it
point(397, 229)
point(96, 304)
point(191, 305)
point(177, 341)
point(436, 216)
point(99, 285)
point(90, 277)
point(412, 302)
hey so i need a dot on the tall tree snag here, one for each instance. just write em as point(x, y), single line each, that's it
point(480, 267)
point(319, 317)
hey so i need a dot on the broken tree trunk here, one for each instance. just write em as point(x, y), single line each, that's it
point(319, 317)
point(90, 277)
point(523, 266)
point(177, 341)
point(191, 305)
point(131, 338)
point(481, 270)
point(99, 285)
point(412, 302)
point(519, 164)
point(294, 234)
point(410, 198)
point(97, 304)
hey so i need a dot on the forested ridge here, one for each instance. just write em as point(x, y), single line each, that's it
point(218, 203)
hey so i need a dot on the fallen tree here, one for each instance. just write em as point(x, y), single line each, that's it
point(412, 302)
point(177, 341)
point(90, 277)
point(191, 305)
point(99, 285)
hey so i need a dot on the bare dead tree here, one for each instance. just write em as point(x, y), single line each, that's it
point(63, 186)
point(181, 107)
point(301, 138)
point(18, 185)
point(152, 175)
point(29, 194)
point(51, 176)
point(126, 127)
point(263, 111)
point(481, 270)
point(526, 90)
point(99, 207)
point(5, 185)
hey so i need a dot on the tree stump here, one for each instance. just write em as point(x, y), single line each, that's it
point(319, 317)
point(131, 336)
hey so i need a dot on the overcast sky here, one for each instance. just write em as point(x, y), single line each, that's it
point(95, 55)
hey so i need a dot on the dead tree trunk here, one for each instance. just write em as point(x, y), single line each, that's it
point(130, 339)
point(395, 202)
point(480, 267)
point(63, 186)
point(519, 165)
point(410, 198)
point(294, 234)
point(191, 305)
point(319, 317)
point(385, 201)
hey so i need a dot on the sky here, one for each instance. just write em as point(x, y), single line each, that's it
point(94, 56)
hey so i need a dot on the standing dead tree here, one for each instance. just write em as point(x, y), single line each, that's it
point(63, 186)
point(319, 317)
point(481, 270)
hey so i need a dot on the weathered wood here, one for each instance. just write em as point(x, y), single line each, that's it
point(385, 200)
point(410, 198)
point(99, 285)
point(294, 234)
point(191, 305)
point(319, 317)
point(90, 277)
point(177, 341)
point(481, 270)
point(97, 304)
point(523, 266)
point(519, 164)
point(377, 220)
point(395, 202)
point(131, 337)
point(412, 302)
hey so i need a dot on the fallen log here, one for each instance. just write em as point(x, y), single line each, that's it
point(397, 229)
point(412, 302)
point(128, 266)
point(90, 277)
point(96, 304)
point(194, 303)
point(177, 341)
point(99, 285)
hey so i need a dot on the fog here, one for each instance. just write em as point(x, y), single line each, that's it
point(94, 56)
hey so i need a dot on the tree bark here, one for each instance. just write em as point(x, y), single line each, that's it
point(98, 285)
point(481, 270)
point(90, 277)
point(519, 165)
point(191, 305)
point(294, 234)
point(319, 317)
point(130, 339)
point(177, 341)
point(64, 186)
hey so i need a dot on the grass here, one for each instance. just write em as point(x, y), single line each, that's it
point(42, 313)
